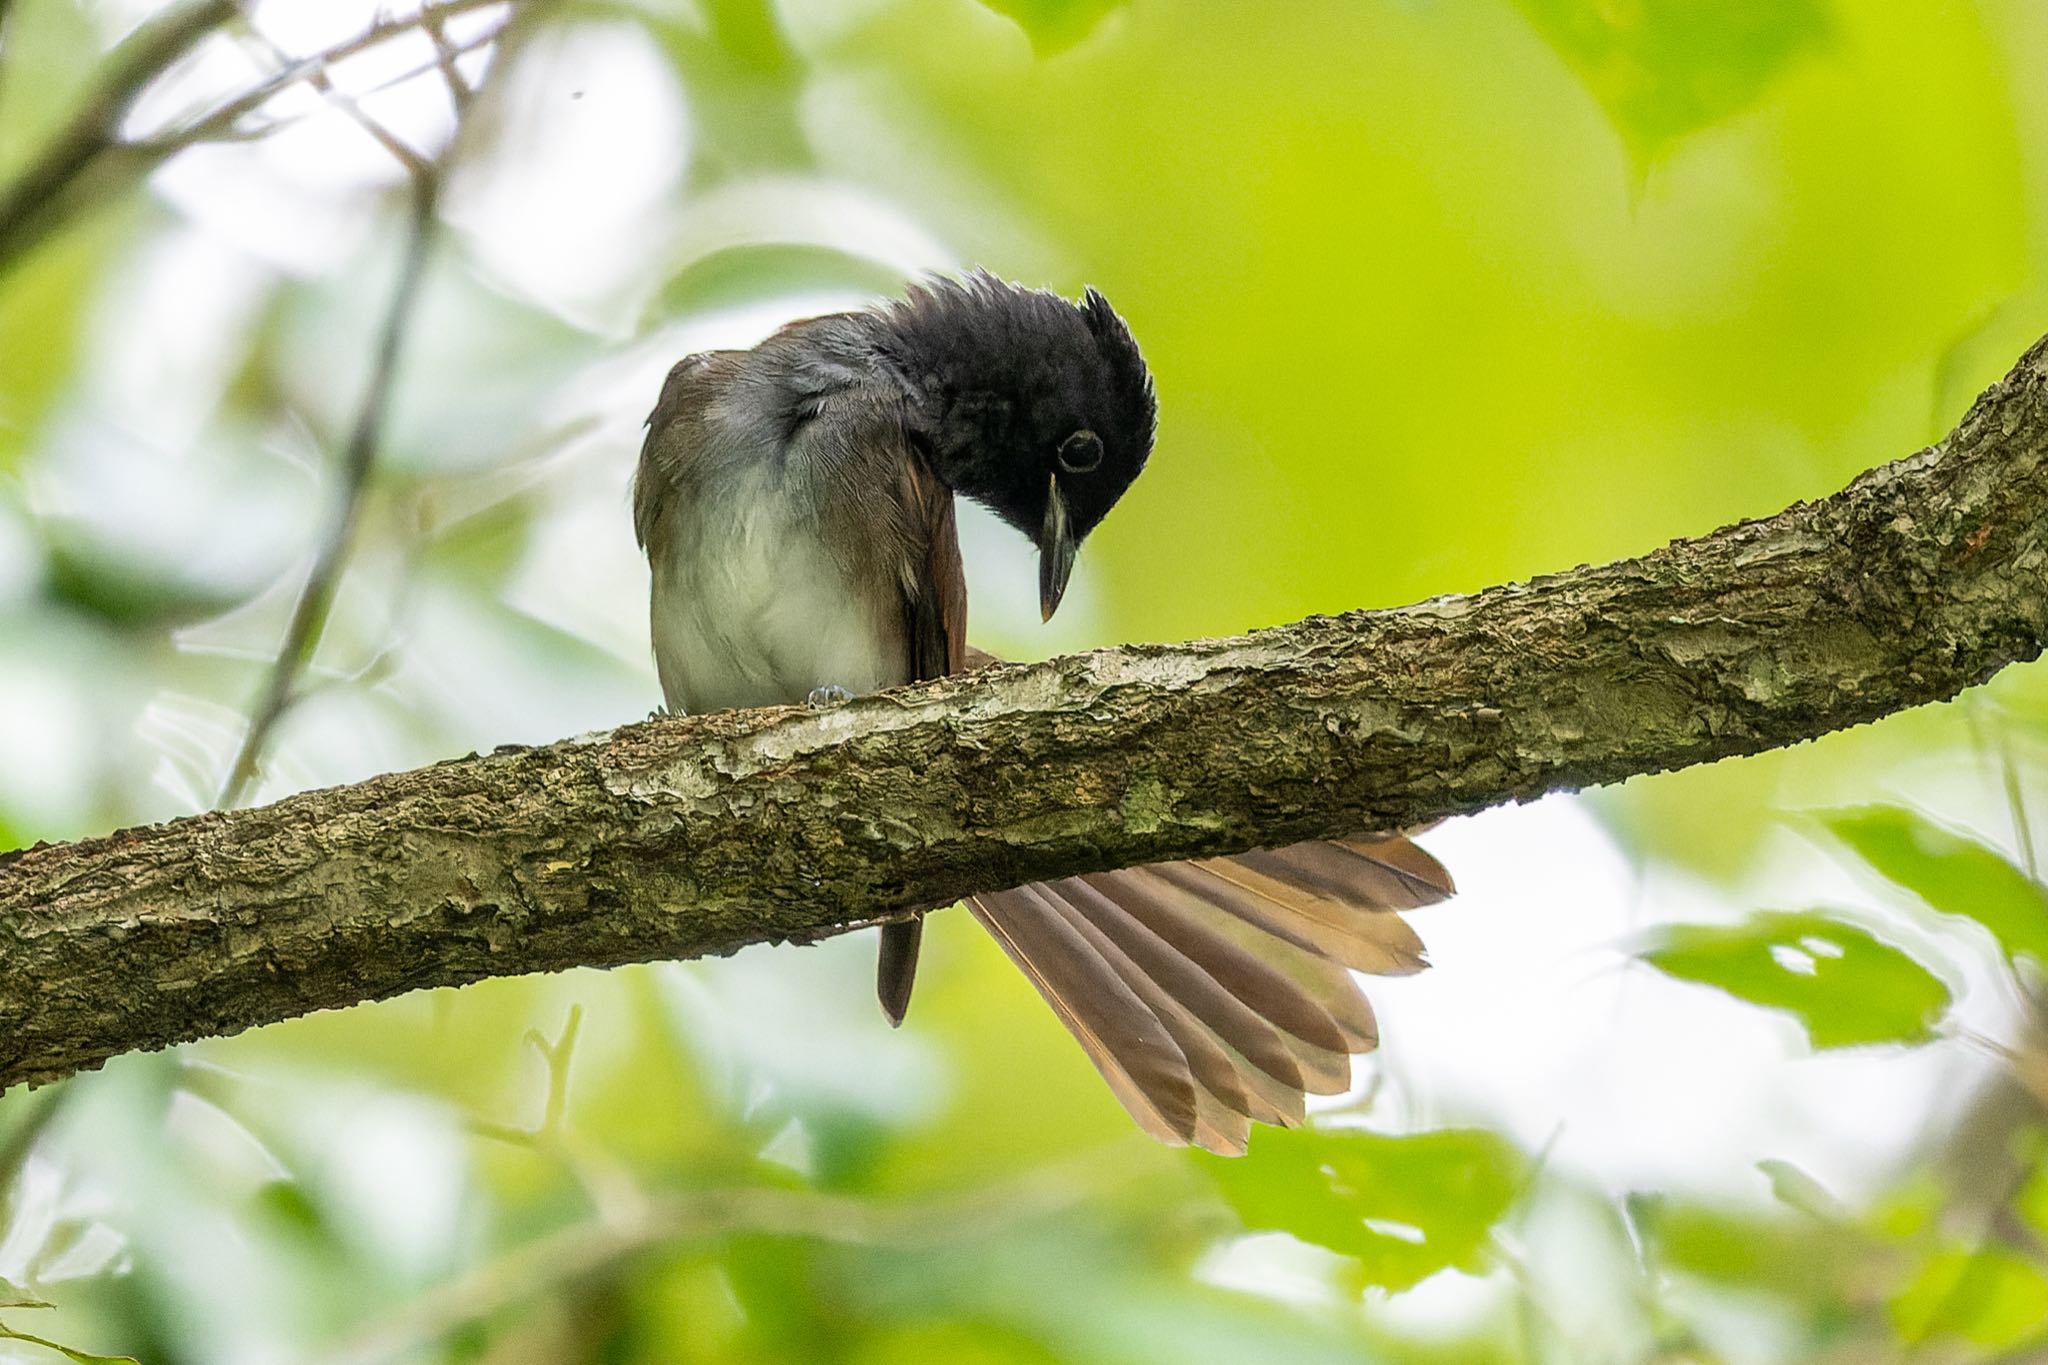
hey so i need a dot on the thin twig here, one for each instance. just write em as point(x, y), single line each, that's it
point(50, 191)
point(227, 133)
point(460, 91)
point(401, 151)
point(37, 199)
point(316, 598)
point(1999, 750)
point(2016, 799)
point(222, 118)
point(309, 615)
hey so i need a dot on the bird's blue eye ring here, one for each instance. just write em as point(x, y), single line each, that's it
point(1080, 452)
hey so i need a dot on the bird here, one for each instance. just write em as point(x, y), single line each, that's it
point(796, 503)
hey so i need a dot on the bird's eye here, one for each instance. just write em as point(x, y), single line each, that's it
point(1080, 452)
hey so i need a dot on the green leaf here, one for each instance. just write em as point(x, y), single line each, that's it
point(1054, 25)
point(1796, 1189)
point(128, 593)
point(292, 1207)
point(1843, 986)
point(46, 63)
point(44, 302)
point(483, 548)
point(1952, 872)
point(13, 1295)
point(1402, 1207)
point(1798, 1260)
point(2031, 1204)
point(1664, 68)
point(1989, 1295)
point(754, 271)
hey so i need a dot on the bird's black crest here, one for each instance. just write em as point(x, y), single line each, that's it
point(1001, 376)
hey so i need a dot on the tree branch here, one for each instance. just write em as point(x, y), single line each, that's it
point(695, 835)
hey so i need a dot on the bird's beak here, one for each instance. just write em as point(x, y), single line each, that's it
point(1055, 551)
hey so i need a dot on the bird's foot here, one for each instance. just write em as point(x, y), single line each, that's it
point(825, 698)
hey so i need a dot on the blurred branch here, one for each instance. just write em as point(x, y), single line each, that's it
point(316, 597)
point(601, 1246)
point(88, 163)
point(271, 126)
point(696, 835)
point(2016, 803)
point(220, 121)
point(39, 196)
point(1997, 749)
point(425, 175)
point(309, 613)
point(460, 91)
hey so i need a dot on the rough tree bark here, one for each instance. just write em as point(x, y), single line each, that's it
point(689, 836)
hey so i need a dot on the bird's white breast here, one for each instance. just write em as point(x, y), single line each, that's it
point(751, 607)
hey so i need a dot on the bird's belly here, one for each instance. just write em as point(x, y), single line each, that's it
point(752, 611)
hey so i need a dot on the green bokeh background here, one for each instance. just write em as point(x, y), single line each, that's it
point(1438, 294)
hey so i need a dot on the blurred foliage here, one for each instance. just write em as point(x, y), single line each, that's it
point(1665, 68)
point(1055, 25)
point(1844, 986)
point(1990, 1296)
point(1403, 1208)
point(1954, 874)
point(41, 314)
point(97, 581)
point(1437, 296)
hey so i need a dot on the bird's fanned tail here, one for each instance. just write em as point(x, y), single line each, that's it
point(1215, 993)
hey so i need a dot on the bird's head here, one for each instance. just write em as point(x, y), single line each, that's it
point(1038, 408)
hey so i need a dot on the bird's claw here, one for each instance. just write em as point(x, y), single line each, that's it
point(825, 698)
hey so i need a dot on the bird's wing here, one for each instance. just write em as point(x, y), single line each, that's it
point(935, 593)
point(675, 437)
point(934, 589)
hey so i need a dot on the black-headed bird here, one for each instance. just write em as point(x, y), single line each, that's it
point(796, 505)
